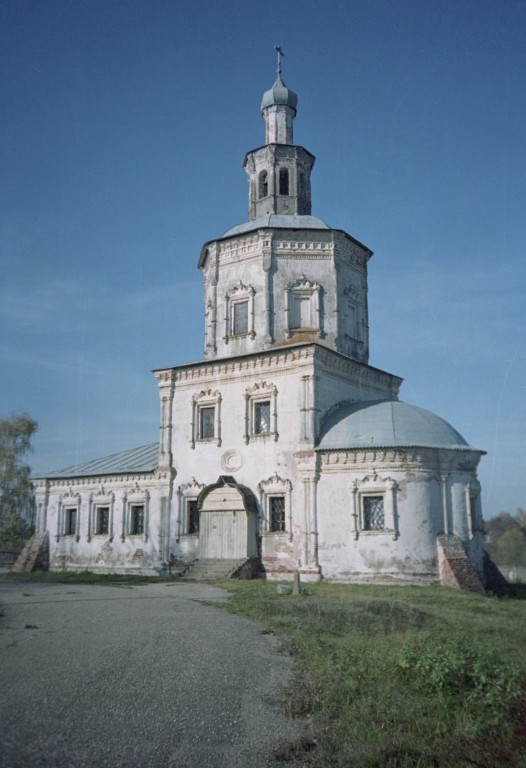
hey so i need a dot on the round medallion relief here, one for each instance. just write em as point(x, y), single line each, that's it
point(231, 461)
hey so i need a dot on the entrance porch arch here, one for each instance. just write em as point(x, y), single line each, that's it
point(227, 521)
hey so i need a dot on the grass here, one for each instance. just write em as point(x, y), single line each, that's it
point(81, 577)
point(399, 677)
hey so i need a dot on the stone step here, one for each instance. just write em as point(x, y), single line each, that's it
point(211, 569)
point(456, 569)
point(35, 554)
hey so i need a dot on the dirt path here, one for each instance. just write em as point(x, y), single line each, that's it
point(140, 676)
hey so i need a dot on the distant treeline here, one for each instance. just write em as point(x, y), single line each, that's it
point(505, 538)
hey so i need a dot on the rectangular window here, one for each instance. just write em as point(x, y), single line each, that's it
point(240, 317)
point(137, 520)
point(276, 513)
point(351, 315)
point(373, 513)
point(71, 521)
point(262, 417)
point(193, 516)
point(206, 423)
point(283, 182)
point(300, 316)
point(102, 522)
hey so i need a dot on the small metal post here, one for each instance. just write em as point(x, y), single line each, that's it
point(296, 589)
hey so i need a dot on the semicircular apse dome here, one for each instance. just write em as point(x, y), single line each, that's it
point(387, 423)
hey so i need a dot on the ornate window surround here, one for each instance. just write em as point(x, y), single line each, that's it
point(373, 485)
point(206, 399)
point(238, 294)
point(275, 486)
point(66, 502)
point(185, 493)
point(97, 500)
point(354, 330)
point(262, 184)
point(261, 392)
point(303, 288)
point(283, 178)
point(135, 497)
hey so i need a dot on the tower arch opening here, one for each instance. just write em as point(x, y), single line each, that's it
point(262, 184)
point(283, 181)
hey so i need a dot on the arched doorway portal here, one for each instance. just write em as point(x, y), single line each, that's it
point(227, 521)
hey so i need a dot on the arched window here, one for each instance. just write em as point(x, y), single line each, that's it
point(263, 185)
point(283, 182)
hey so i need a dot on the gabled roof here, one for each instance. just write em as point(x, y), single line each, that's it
point(143, 459)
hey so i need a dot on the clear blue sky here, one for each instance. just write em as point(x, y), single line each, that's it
point(124, 127)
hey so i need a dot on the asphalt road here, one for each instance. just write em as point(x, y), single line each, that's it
point(144, 676)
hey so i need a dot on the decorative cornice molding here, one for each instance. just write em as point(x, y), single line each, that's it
point(274, 483)
point(208, 395)
point(107, 480)
point(302, 283)
point(276, 359)
point(259, 388)
point(426, 459)
point(240, 289)
point(281, 359)
point(192, 488)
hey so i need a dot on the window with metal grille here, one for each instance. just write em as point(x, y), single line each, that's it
point(276, 506)
point(373, 513)
point(71, 521)
point(193, 516)
point(137, 519)
point(206, 422)
point(102, 523)
point(262, 417)
point(240, 318)
point(284, 182)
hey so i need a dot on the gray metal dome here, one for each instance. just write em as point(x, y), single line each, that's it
point(279, 94)
point(278, 221)
point(387, 423)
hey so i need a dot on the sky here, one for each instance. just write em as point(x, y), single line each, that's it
point(123, 131)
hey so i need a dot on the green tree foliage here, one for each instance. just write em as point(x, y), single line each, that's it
point(511, 547)
point(520, 516)
point(16, 493)
point(497, 526)
point(506, 538)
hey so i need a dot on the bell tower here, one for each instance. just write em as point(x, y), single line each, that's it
point(284, 276)
point(279, 172)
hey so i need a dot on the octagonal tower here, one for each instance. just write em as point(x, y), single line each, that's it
point(284, 275)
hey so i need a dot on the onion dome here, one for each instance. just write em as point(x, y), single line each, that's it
point(279, 95)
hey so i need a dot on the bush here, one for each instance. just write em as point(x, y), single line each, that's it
point(460, 669)
point(15, 533)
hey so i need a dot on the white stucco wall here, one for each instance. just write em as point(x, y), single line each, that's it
point(406, 550)
point(270, 266)
point(118, 550)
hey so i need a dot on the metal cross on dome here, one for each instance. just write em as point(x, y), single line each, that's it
point(280, 54)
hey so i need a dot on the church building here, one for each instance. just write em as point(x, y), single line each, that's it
point(282, 450)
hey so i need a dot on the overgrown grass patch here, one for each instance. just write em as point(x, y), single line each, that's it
point(394, 677)
point(81, 577)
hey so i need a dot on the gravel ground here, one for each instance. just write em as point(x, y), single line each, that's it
point(144, 676)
